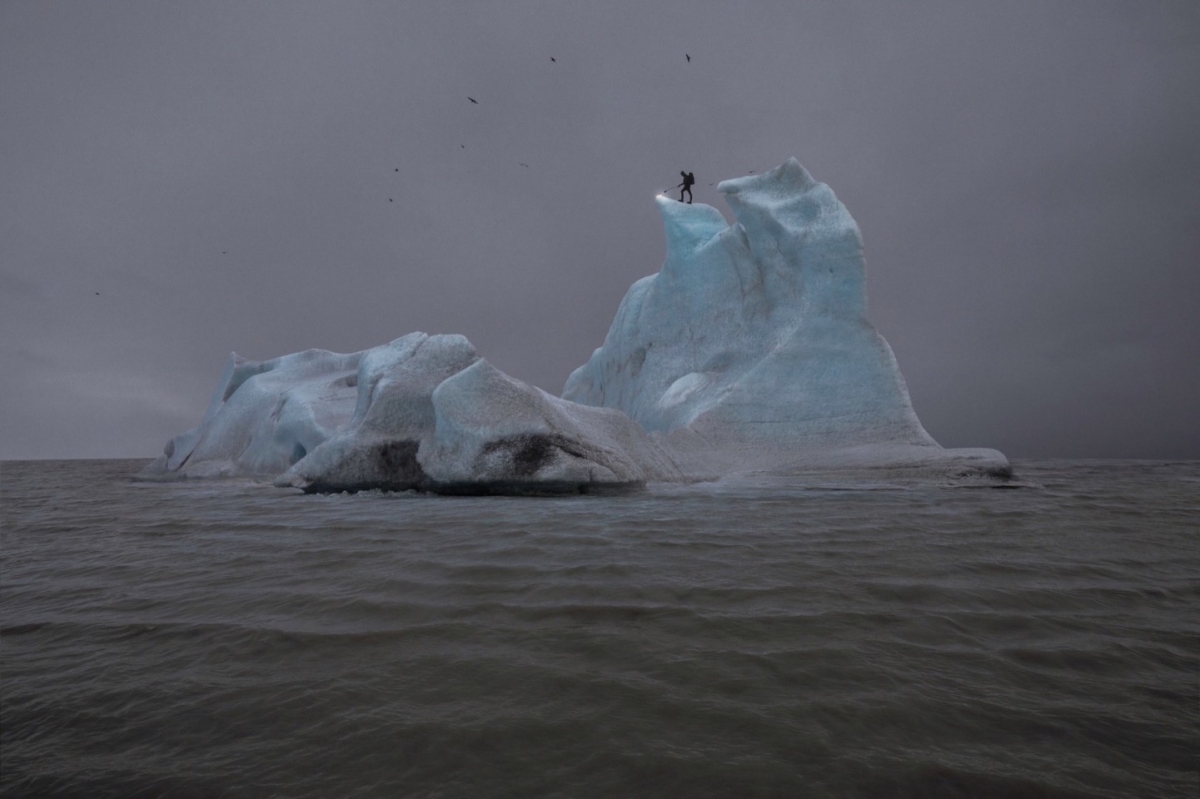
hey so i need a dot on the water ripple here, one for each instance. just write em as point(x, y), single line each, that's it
point(230, 639)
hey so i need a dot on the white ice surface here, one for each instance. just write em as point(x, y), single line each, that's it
point(266, 415)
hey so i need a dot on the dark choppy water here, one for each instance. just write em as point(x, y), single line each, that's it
point(232, 639)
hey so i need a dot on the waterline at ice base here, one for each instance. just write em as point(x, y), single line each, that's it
point(748, 355)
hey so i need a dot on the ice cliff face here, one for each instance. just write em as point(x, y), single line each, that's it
point(755, 332)
point(748, 352)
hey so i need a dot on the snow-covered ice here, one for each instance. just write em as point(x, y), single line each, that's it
point(748, 352)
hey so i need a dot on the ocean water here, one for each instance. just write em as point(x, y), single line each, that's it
point(230, 639)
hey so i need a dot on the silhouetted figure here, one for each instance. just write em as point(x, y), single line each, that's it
point(686, 186)
point(688, 57)
point(552, 58)
point(472, 99)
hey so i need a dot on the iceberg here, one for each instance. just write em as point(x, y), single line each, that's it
point(749, 352)
point(421, 413)
point(751, 346)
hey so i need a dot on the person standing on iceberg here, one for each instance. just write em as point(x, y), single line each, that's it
point(688, 180)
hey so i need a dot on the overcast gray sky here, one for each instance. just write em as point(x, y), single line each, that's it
point(1026, 175)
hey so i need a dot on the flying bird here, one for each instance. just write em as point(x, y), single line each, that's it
point(472, 99)
point(523, 164)
point(552, 58)
point(688, 57)
point(397, 169)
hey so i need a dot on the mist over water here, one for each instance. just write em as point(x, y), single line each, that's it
point(201, 639)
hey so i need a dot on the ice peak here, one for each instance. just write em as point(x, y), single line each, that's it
point(760, 334)
point(786, 179)
point(788, 201)
point(688, 226)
